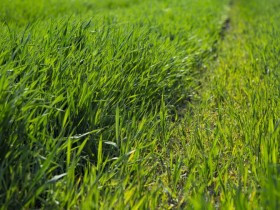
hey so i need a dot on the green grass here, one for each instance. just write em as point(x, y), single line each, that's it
point(139, 104)
point(237, 119)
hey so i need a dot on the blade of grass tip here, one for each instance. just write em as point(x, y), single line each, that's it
point(117, 121)
point(112, 144)
point(68, 157)
point(99, 154)
point(66, 116)
point(78, 136)
point(163, 116)
point(56, 178)
point(81, 147)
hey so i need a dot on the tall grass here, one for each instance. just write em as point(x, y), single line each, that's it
point(89, 94)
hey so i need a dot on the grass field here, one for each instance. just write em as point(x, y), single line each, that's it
point(139, 104)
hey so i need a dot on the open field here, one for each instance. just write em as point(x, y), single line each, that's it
point(139, 104)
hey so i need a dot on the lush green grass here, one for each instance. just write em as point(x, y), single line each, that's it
point(88, 96)
point(120, 104)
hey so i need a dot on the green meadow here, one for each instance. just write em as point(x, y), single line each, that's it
point(129, 104)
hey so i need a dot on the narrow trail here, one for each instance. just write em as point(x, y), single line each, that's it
point(227, 22)
point(233, 125)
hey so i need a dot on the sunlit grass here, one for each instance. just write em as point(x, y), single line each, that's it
point(236, 127)
point(139, 105)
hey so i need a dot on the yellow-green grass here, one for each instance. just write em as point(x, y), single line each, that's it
point(236, 122)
